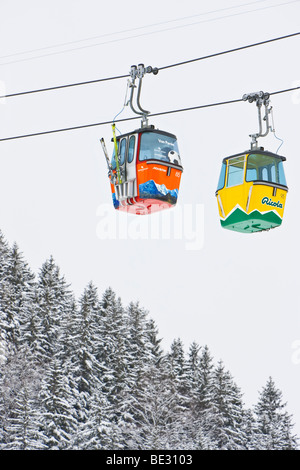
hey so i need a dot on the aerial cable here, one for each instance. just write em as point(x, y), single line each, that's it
point(229, 51)
point(84, 126)
point(127, 30)
point(210, 56)
point(87, 82)
point(158, 31)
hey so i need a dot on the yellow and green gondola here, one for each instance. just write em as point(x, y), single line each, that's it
point(251, 192)
point(252, 188)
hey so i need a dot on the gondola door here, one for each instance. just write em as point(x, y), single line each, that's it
point(130, 169)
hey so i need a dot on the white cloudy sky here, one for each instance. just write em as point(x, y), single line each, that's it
point(239, 294)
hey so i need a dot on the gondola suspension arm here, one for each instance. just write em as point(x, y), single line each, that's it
point(261, 99)
point(139, 72)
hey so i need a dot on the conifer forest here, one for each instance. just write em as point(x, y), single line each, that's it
point(91, 374)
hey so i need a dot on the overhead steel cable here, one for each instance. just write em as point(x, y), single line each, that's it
point(156, 31)
point(210, 56)
point(229, 51)
point(176, 20)
point(84, 126)
point(88, 82)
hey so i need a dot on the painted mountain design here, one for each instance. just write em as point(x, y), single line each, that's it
point(256, 221)
point(151, 190)
point(115, 201)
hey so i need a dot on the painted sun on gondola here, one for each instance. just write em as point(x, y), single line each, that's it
point(252, 188)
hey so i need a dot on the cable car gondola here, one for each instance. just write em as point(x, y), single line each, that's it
point(145, 176)
point(252, 189)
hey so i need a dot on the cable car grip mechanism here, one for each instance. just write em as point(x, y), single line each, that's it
point(139, 72)
point(262, 99)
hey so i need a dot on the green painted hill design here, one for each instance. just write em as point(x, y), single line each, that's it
point(239, 221)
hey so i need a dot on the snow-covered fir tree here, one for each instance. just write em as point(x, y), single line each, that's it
point(20, 412)
point(7, 327)
point(86, 376)
point(16, 291)
point(58, 417)
point(274, 424)
point(92, 374)
point(54, 299)
point(226, 411)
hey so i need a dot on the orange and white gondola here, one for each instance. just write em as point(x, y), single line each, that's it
point(145, 169)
